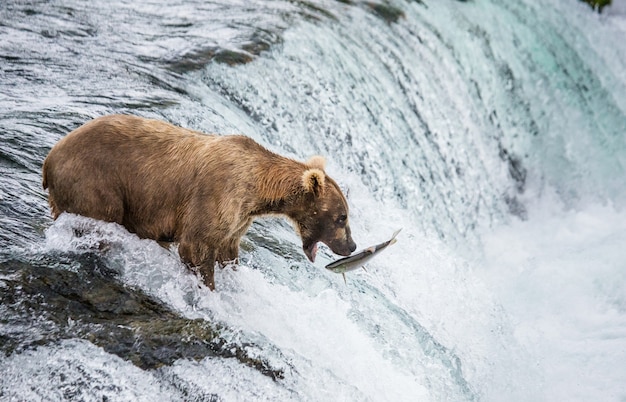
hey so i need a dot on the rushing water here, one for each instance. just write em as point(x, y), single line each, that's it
point(493, 132)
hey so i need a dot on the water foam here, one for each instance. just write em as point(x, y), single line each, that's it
point(561, 277)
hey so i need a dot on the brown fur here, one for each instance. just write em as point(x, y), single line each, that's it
point(168, 183)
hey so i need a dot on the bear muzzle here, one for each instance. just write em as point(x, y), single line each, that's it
point(343, 248)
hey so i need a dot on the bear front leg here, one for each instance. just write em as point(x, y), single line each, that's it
point(200, 260)
point(207, 273)
point(229, 253)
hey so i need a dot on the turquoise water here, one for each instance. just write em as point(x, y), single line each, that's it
point(493, 133)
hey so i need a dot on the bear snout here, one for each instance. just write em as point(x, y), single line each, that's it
point(344, 248)
point(352, 246)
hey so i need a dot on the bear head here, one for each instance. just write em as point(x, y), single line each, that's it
point(322, 213)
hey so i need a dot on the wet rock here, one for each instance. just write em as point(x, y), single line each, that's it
point(197, 58)
point(386, 11)
point(517, 171)
point(516, 207)
point(192, 60)
point(80, 297)
point(232, 57)
point(313, 12)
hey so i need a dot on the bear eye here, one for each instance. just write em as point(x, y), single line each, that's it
point(341, 219)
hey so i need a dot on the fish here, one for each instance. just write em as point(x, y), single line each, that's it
point(358, 260)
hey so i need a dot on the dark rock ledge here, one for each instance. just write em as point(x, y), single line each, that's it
point(42, 303)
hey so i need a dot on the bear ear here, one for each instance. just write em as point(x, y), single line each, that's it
point(317, 162)
point(313, 181)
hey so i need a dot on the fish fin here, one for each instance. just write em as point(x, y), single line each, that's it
point(344, 278)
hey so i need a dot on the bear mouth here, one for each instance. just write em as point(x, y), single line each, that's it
point(311, 251)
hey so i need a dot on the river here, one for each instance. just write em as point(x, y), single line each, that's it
point(492, 132)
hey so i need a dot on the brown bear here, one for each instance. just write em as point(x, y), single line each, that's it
point(202, 191)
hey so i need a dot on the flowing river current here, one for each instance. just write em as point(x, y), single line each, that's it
point(493, 132)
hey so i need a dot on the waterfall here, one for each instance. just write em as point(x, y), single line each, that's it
point(492, 132)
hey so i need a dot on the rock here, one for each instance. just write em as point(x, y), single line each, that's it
point(80, 297)
point(386, 11)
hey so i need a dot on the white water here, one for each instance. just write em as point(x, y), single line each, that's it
point(561, 277)
point(472, 303)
